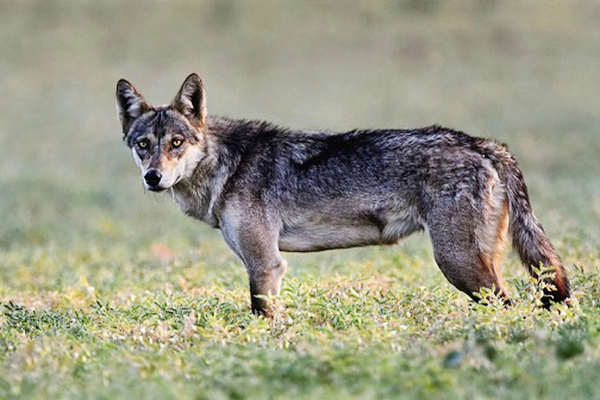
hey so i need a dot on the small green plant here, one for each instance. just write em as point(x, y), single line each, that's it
point(181, 329)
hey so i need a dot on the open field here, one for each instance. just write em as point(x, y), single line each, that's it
point(110, 292)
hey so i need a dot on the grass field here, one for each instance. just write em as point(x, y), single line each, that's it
point(110, 292)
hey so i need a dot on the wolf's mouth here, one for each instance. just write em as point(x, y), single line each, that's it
point(157, 189)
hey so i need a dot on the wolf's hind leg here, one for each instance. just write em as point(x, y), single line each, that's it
point(468, 243)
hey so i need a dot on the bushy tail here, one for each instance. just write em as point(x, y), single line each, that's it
point(528, 236)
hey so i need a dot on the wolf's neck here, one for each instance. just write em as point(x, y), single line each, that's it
point(199, 196)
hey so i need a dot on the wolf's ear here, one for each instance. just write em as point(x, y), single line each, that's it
point(130, 104)
point(191, 101)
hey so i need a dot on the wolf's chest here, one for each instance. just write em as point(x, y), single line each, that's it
point(197, 205)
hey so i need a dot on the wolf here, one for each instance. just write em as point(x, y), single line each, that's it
point(269, 189)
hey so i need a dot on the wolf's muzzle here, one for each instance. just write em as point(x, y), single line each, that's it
point(153, 178)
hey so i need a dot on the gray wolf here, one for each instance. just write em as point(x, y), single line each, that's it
point(269, 189)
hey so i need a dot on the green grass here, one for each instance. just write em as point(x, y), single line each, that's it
point(380, 323)
point(109, 292)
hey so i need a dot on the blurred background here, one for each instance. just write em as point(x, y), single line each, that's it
point(524, 73)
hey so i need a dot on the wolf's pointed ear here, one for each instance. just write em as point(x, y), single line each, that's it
point(130, 104)
point(191, 101)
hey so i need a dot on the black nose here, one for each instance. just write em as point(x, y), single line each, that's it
point(152, 177)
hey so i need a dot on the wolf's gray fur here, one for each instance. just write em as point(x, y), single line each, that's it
point(270, 189)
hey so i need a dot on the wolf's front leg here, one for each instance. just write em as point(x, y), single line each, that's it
point(265, 280)
point(256, 242)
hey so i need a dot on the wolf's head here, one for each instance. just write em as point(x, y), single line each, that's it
point(167, 142)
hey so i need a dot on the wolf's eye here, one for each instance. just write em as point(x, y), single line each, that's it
point(176, 143)
point(143, 144)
